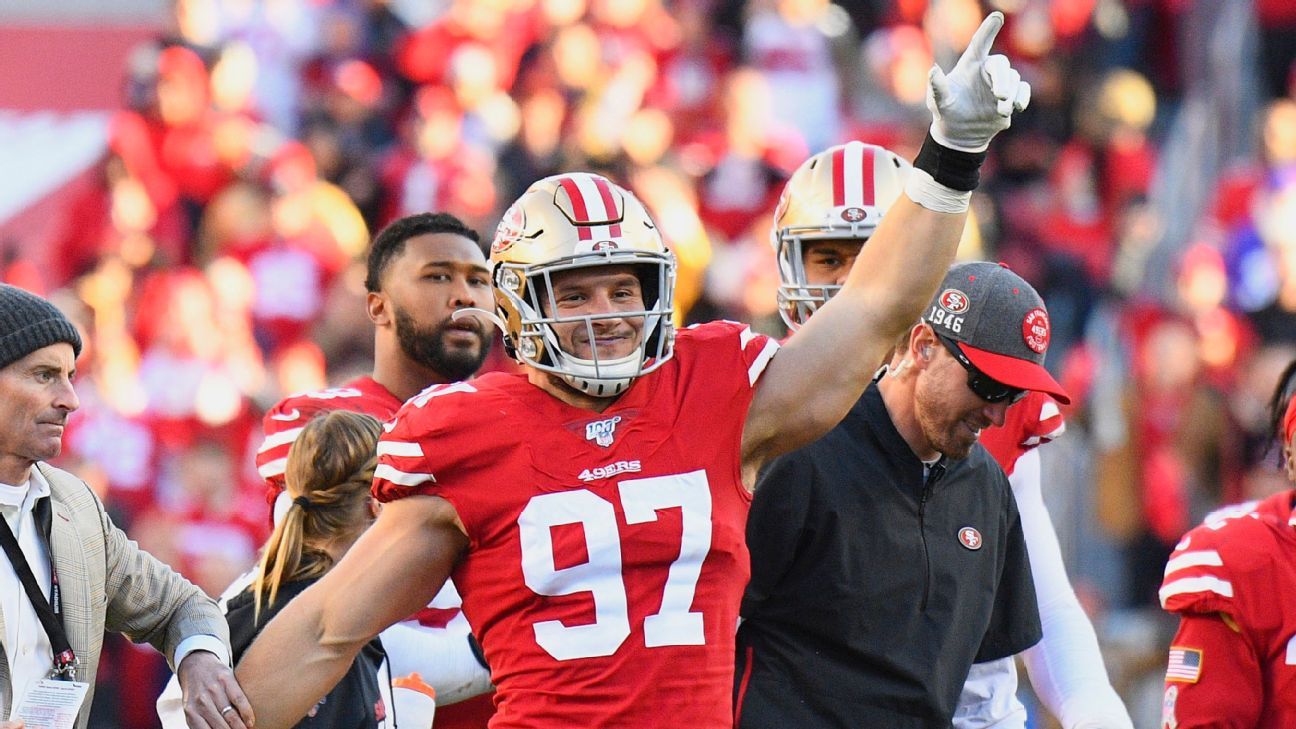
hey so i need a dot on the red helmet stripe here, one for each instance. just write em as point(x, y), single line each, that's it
point(867, 175)
point(838, 176)
point(609, 205)
point(578, 207)
point(605, 192)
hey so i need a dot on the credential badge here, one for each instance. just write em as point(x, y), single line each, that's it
point(602, 431)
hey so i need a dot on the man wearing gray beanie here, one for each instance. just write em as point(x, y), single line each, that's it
point(68, 574)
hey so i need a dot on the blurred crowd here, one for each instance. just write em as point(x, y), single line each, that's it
point(1149, 193)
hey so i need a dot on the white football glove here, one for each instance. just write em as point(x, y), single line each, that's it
point(975, 101)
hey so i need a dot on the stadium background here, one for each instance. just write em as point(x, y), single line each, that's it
point(195, 182)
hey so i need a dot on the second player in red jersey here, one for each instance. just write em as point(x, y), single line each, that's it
point(422, 268)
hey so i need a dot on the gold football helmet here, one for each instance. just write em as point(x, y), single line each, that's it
point(578, 220)
point(840, 193)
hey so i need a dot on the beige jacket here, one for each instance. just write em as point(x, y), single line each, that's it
point(109, 584)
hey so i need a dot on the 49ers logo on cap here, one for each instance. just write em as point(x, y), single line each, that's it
point(954, 301)
point(1036, 330)
point(971, 538)
point(853, 215)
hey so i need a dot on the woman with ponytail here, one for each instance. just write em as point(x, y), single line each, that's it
point(1232, 581)
point(329, 473)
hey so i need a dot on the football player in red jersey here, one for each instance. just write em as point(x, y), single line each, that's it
point(1232, 582)
point(592, 509)
point(421, 269)
point(829, 208)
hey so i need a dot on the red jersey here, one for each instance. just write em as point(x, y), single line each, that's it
point(606, 556)
point(284, 422)
point(1030, 423)
point(1232, 581)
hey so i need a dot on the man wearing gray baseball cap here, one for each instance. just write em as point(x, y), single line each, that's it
point(67, 573)
point(888, 556)
point(995, 325)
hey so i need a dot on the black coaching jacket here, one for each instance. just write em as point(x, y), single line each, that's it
point(877, 582)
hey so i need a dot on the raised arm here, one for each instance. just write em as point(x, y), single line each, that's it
point(392, 570)
point(823, 369)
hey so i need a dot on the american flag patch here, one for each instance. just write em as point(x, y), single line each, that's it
point(1184, 665)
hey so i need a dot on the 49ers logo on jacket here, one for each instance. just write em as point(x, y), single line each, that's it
point(1036, 330)
point(954, 301)
point(971, 538)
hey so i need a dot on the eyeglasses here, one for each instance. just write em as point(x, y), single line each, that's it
point(982, 385)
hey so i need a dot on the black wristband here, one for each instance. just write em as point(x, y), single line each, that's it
point(952, 168)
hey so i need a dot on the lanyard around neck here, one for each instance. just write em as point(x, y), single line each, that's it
point(49, 612)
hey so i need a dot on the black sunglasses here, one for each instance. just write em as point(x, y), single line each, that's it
point(982, 385)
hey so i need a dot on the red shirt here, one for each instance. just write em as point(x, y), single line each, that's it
point(284, 422)
point(1238, 671)
point(606, 550)
point(1030, 423)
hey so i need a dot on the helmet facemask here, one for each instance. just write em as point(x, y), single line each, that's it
point(797, 298)
point(529, 289)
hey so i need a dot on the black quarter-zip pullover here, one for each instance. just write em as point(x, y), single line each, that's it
point(874, 589)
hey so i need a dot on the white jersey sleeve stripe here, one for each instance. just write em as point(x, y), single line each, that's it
point(273, 469)
point(277, 439)
point(762, 360)
point(745, 337)
point(1202, 558)
point(1196, 584)
point(401, 478)
point(399, 449)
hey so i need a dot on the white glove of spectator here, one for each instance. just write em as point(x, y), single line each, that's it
point(975, 101)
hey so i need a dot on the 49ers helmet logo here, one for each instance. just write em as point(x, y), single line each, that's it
point(853, 215)
point(605, 245)
point(971, 538)
point(954, 301)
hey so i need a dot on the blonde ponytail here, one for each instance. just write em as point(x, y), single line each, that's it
point(329, 472)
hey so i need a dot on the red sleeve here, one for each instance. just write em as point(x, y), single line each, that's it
point(716, 344)
point(1030, 423)
point(408, 465)
point(1227, 690)
point(284, 422)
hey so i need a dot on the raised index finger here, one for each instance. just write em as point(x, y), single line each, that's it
point(985, 35)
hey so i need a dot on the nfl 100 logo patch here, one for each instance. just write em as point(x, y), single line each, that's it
point(602, 431)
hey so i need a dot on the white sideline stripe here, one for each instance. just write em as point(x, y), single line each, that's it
point(1196, 584)
point(1201, 558)
point(401, 478)
point(278, 439)
point(758, 366)
point(399, 449)
point(273, 468)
